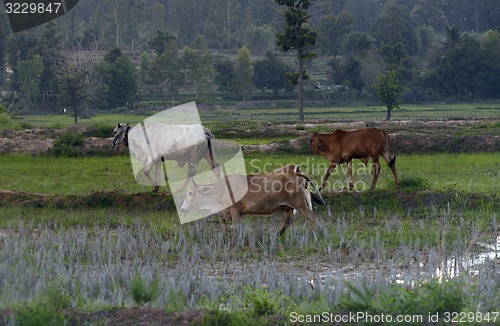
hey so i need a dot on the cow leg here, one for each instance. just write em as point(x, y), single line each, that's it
point(304, 209)
point(286, 219)
point(191, 173)
point(147, 170)
point(392, 165)
point(328, 172)
point(349, 175)
point(225, 220)
point(376, 172)
point(235, 216)
point(213, 163)
point(158, 168)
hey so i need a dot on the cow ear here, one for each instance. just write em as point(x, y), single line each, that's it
point(118, 126)
point(205, 189)
point(127, 124)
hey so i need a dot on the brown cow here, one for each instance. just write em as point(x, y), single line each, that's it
point(267, 193)
point(343, 146)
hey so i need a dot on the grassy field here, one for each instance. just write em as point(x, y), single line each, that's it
point(479, 172)
point(334, 114)
point(81, 242)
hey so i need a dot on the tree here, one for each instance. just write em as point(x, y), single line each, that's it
point(224, 75)
point(161, 41)
point(389, 91)
point(21, 47)
point(429, 13)
point(332, 30)
point(391, 28)
point(79, 82)
point(4, 32)
point(348, 73)
point(426, 39)
point(119, 80)
point(465, 71)
point(357, 44)
point(259, 38)
point(198, 67)
point(453, 36)
point(29, 73)
point(165, 72)
point(269, 73)
point(243, 73)
point(298, 37)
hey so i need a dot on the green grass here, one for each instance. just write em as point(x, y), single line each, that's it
point(478, 172)
point(67, 176)
point(470, 173)
point(331, 113)
point(361, 112)
point(65, 120)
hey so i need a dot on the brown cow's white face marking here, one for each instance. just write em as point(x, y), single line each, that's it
point(194, 197)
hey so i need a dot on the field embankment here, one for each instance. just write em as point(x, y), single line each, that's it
point(408, 136)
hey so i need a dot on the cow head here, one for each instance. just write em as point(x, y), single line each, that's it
point(195, 198)
point(317, 146)
point(120, 133)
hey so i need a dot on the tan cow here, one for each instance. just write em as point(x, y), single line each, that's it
point(342, 146)
point(267, 193)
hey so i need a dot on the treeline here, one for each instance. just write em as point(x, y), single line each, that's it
point(109, 54)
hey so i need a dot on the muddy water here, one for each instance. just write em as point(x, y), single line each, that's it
point(432, 265)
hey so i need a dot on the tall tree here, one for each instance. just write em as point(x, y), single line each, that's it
point(298, 36)
point(389, 91)
point(429, 13)
point(165, 74)
point(224, 75)
point(198, 67)
point(332, 30)
point(119, 80)
point(29, 73)
point(347, 73)
point(79, 82)
point(243, 74)
point(4, 32)
point(391, 28)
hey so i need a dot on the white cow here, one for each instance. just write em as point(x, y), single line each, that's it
point(153, 142)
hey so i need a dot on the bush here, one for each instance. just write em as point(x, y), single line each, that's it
point(7, 122)
point(68, 145)
point(99, 131)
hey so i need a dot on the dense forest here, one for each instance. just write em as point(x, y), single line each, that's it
point(110, 54)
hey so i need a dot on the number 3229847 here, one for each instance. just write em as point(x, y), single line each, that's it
point(33, 8)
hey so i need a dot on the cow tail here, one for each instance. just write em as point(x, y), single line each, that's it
point(387, 146)
point(315, 195)
point(210, 138)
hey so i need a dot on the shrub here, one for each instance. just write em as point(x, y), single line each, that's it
point(7, 122)
point(68, 144)
point(99, 131)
